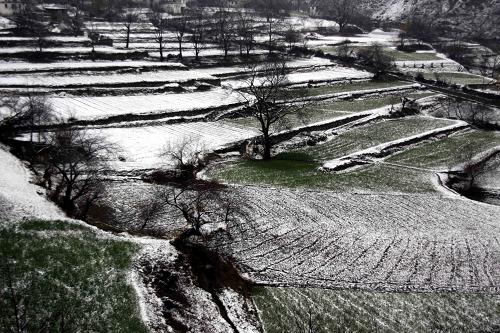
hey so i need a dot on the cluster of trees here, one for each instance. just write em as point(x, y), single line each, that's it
point(476, 114)
point(68, 162)
point(228, 30)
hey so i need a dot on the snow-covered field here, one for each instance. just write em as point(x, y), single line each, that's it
point(91, 108)
point(66, 50)
point(57, 81)
point(9, 66)
point(140, 147)
point(376, 36)
point(321, 75)
point(376, 241)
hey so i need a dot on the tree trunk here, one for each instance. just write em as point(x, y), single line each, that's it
point(67, 202)
point(128, 37)
point(161, 51)
point(267, 147)
point(180, 48)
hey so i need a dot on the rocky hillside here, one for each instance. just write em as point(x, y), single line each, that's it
point(476, 17)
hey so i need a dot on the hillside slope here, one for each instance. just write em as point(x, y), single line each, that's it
point(481, 17)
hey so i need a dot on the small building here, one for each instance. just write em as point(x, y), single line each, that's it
point(170, 6)
point(9, 7)
point(56, 12)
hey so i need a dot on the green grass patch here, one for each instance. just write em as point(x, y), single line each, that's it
point(328, 110)
point(412, 56)
point(74, 280)
point(372, 135)
point(345, 87)
point(448, 151)
point(395, 55)
point(292, 309)
point(457, 78)
point(304, 173)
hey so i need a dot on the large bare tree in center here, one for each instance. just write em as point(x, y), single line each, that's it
point(269, 101)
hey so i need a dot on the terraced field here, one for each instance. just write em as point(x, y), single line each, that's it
point(300, 171)
point(328, 110)
point(140, 147)
point(292, 309)
point(374, 241)
point(448, 151)
point(458, 78)
point(92, 108)
point(372, 135)
point(347, 87)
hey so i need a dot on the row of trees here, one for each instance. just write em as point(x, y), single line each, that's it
point(226, 29)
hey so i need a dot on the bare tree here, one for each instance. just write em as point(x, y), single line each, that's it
point(30, 21)
point(150, 209)
point(180, 26)
point(375, 57)
point(272, 10)
point(24, 113)
point(224, 27)
point(199, 203)
point(159, 21)
point(129, 18)
point(246, 32)
point(341, 11)
point(292, 37)
point(268, 100)
point(199, 33)
point(187, 155)
point(75, 164)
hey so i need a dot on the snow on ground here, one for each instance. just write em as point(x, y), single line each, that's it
point(377, 241)
point(432, 66)
point(9, 66)
point(204, 53)
point(5, 23)
point(141, 146)
point(54, 81)
point(18, 198)
point(63, 39)
point(310, 63)
point(309, 23)
point(321, 75)
point(90, 108)
point(65, 50)
point(376, 36)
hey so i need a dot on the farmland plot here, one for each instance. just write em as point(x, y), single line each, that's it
point(371, 135)
point(288, 309)
point(377, 241)
point(447, 152)
point(376, 36)
point(344, 87)
point(300, 171)
point(111, 80)
point(140, 147)
point(91, 108)
point(323, 111)
point(73, 66)
point(322, 75)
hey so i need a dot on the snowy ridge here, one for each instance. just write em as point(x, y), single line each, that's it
point(19, 198)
